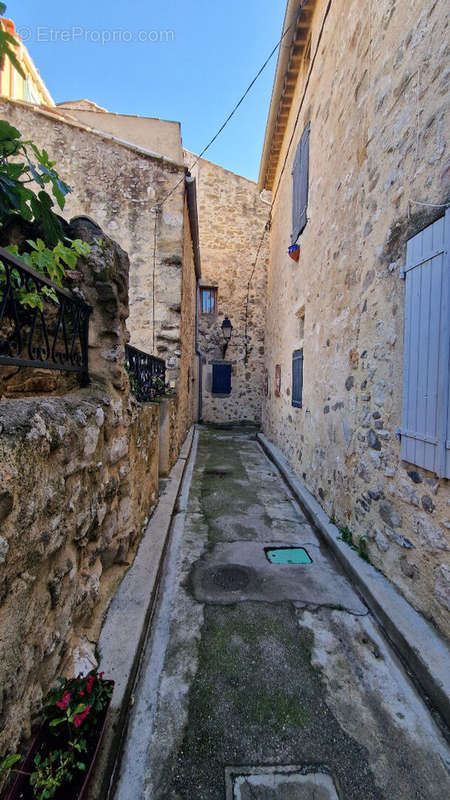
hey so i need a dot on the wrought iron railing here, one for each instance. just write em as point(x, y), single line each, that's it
point(147, 374)
point(52, 333)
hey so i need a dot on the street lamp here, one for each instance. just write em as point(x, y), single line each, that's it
point(227, 330)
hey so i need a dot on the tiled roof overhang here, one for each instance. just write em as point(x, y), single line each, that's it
point(290, 57)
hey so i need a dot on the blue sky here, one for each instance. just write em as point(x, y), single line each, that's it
point(192, 64)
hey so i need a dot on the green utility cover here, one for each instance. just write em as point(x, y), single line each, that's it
point(288, 555)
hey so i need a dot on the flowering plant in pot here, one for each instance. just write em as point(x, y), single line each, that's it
point(62, 754)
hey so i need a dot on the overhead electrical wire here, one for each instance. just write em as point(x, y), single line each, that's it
point(230, 115)
point(157, 208)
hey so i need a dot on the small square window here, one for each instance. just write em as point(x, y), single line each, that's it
point(208, 300)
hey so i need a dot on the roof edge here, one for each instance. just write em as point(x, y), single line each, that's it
point(290, 57)
point(57, 116)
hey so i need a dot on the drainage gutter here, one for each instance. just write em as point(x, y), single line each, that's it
point(128, 620)
point(424, 653)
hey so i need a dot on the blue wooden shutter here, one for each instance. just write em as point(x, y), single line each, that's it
point(426, 376)
point(300, 175)
point(221, 379)
point(297, 378)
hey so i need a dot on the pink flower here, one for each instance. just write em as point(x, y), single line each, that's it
point(78, 718)
point(63, 704)
point(90, 680)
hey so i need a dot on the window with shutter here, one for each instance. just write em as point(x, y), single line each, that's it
point(221, 379)
point(300, 174)
point(297, 378)
point(425, 432)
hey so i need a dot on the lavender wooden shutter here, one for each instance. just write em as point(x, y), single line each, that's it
point(426, 415)
point(300, 175)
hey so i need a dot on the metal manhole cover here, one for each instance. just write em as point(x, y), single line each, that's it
point(231, 578)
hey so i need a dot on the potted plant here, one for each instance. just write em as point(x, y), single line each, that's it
point(61, 756)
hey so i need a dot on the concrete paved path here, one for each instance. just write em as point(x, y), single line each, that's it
point(268, 681)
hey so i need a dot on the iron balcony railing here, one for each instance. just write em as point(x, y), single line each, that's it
point(147, 374)
point(54, 334)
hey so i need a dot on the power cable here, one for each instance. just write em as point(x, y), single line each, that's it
point(157, 208)
point(232, 113)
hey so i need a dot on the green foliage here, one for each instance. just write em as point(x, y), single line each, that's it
point(7, 41)
point(8, 763)
point(78, 703)
point(53, 772)
point(361, 549)
point(21, 163)
point(49, 262)
point(347, 536)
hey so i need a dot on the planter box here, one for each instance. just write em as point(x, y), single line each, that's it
point(20, 788)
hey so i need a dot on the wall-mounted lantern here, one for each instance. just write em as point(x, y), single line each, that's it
point(227, 330)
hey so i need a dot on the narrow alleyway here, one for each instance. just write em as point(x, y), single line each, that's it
point(268, 681)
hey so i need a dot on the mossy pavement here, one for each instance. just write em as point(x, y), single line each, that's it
point(240, 683)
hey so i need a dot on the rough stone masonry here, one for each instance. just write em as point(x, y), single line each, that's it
point(78, 478)
point(376, 101)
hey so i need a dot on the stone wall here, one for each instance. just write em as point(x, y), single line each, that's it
point(78, 478)
point(119, 186)
point(232, 218)
point(376, 104)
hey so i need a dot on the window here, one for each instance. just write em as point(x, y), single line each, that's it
point(425, 432)
point(297, 378)
point(221, 379)
point(208, 299)
point(300, 175)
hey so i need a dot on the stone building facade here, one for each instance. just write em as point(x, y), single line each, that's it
point(120, 184)
point(232, 219)
point(370, 80)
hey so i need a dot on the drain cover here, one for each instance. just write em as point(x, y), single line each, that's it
point(231, 578)
point(288, 555)
point(278, 783)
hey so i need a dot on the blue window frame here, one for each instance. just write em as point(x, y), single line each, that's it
point(208, 299)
